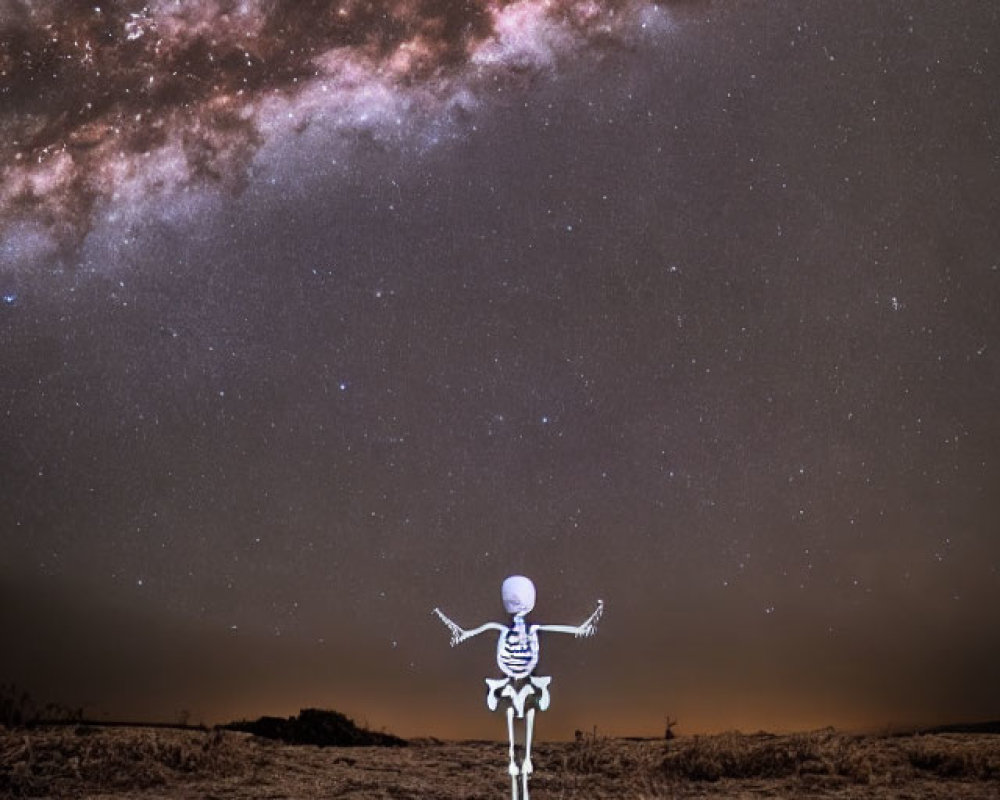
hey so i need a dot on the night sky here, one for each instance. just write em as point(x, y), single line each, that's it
point(317, 315)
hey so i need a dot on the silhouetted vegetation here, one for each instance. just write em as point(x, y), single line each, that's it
point(992, 726)
point(318, 727)
point(19, 709)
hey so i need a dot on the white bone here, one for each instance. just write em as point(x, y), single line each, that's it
point(542, 684)
point(585, 629)
point(518, 696)
point(459, 635)
point(512, 768)
point(526, 767)
point(496, 686)
point(518, 595)
point(518, 649)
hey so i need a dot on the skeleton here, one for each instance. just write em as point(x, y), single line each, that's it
point(517, 657)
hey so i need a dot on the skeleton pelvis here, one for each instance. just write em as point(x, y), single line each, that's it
point(518, 691)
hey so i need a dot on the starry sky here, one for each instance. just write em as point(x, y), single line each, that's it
point(317, 315)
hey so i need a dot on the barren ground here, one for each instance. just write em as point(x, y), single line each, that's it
point(88, 762)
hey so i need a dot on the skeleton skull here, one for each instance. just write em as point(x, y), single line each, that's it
point(518, 595)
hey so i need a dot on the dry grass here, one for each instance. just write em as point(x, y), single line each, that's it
point(68, 761)
point(84, 762)
point(818, 764)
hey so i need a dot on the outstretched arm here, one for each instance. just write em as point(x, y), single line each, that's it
point(588, 628)
point(459, 635)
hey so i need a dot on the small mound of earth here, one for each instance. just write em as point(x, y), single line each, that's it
point(317, 727)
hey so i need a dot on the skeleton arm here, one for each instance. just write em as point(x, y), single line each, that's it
point(587, 628)
point(459, 634)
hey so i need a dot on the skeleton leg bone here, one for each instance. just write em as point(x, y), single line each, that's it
point(512, 768)
point(526, 767)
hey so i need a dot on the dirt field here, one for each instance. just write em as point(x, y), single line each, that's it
point(88, 762)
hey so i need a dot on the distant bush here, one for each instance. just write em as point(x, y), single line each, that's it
point(317, 727)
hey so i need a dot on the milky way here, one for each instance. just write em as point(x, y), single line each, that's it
point(106, 106)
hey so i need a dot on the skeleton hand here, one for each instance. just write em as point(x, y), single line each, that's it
point(589, 628)
point(457, 634)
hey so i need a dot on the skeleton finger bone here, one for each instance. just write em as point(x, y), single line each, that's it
point(589, 627)
point(457, 633)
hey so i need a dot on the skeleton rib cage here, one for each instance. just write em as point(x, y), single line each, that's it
point(518, 649)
